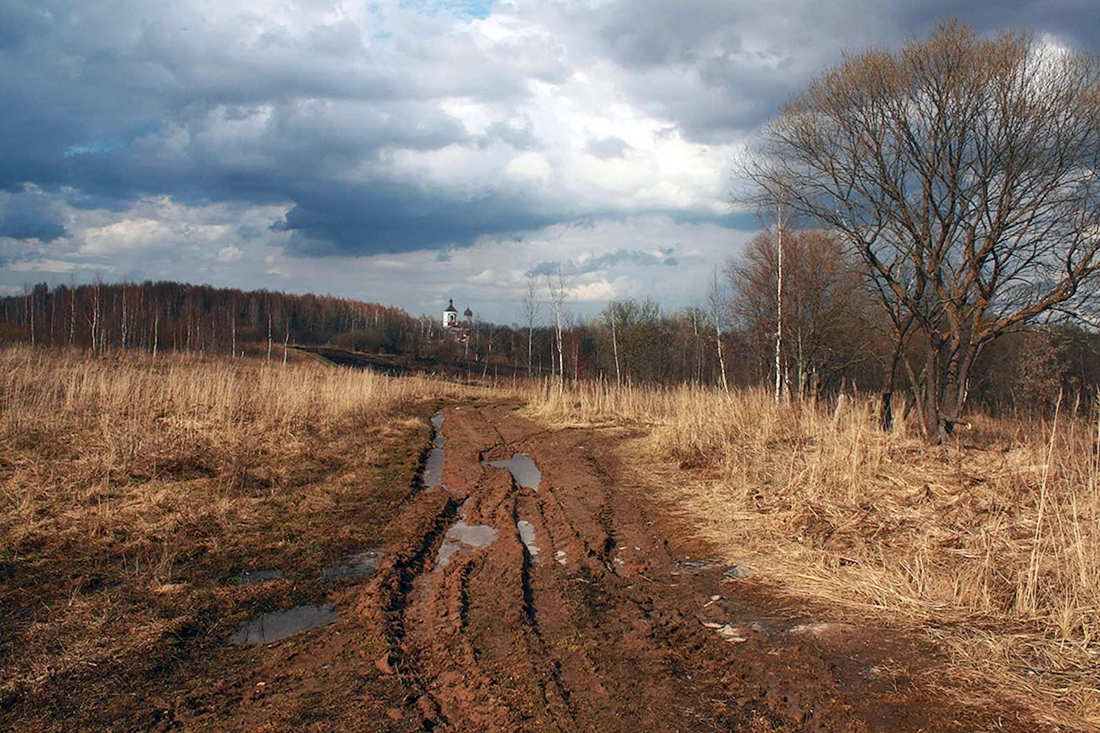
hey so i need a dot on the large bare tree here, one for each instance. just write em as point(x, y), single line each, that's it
point(964, 172)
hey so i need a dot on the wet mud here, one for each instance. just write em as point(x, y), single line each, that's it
point(631, 626)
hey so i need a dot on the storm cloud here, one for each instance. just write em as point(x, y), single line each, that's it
point(260, 139)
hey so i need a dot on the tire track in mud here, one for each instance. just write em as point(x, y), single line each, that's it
point(604, 629)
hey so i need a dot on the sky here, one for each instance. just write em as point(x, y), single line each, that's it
point(409, 152)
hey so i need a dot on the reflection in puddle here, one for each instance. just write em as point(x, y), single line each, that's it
point(433, 469)
point(281, 624)
point(560, 557)
point(523, 469)
point(355, 566)
point(464, 536)
point(527, 534)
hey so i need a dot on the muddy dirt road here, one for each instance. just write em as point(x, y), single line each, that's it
point(551, 596)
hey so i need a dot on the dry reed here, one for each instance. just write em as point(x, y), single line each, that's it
point(132, 488)
point(991, 543)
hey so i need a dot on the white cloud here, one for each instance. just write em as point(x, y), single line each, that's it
point(56, 266)
point(229, 254)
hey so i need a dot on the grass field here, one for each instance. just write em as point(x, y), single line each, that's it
point(990, 544)
point(134, 493)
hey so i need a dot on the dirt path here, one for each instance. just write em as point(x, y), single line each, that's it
point(578, 605)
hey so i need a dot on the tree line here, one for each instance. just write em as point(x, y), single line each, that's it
point(155, 316)
point(834, 338)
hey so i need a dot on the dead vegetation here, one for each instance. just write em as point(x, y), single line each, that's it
point(134, 492)
point(989, 543)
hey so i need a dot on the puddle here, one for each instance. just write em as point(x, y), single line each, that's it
point(523, 469)
point(437, 422)
point(249, 577)
point(463, 536)
point(433, 469)
point(281, 624)
point(560, 557)
point(355, 566)
point(527, 534)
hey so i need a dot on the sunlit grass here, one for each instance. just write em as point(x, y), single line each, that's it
point(990, 543)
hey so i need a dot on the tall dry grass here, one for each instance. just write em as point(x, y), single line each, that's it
point(132, 488)
point(990, 543)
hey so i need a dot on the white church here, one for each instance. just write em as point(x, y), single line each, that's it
point(450, 316)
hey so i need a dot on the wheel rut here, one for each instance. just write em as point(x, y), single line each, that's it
point(573, 607)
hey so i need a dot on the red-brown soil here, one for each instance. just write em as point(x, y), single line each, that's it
point(619, 623)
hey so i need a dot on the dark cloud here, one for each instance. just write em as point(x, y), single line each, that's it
point(720, 69)
point(30, 215)
point(143, 99)
point(602, 262)
point(218, 105)
point(391, 217)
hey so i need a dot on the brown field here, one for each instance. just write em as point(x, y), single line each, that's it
point(990, 545)
point(135, 494)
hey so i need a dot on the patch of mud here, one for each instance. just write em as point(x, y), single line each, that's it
point(281, 624)
point(360, 565)
point(524, 470)
point(464, 537)
point(527, 534)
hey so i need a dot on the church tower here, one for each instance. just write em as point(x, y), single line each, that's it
point(450, 315)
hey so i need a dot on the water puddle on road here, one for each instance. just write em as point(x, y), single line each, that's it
point(527, 534)
point(464, 537)
point(437, 422)
point(433, 467)
point(523, 468)
point(358, 565)
point(281, 624)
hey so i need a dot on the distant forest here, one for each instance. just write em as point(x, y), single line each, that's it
point(630, 342)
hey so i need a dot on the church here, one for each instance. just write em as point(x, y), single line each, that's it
point(450, 316)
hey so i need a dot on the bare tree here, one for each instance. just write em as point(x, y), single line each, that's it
point(531, 308)
point(556, 285)
point(718, 306)
point(827, 328)
point(964, 173)
point(609, 315)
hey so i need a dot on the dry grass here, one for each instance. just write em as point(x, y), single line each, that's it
point(133, 491)
point(991, 544)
